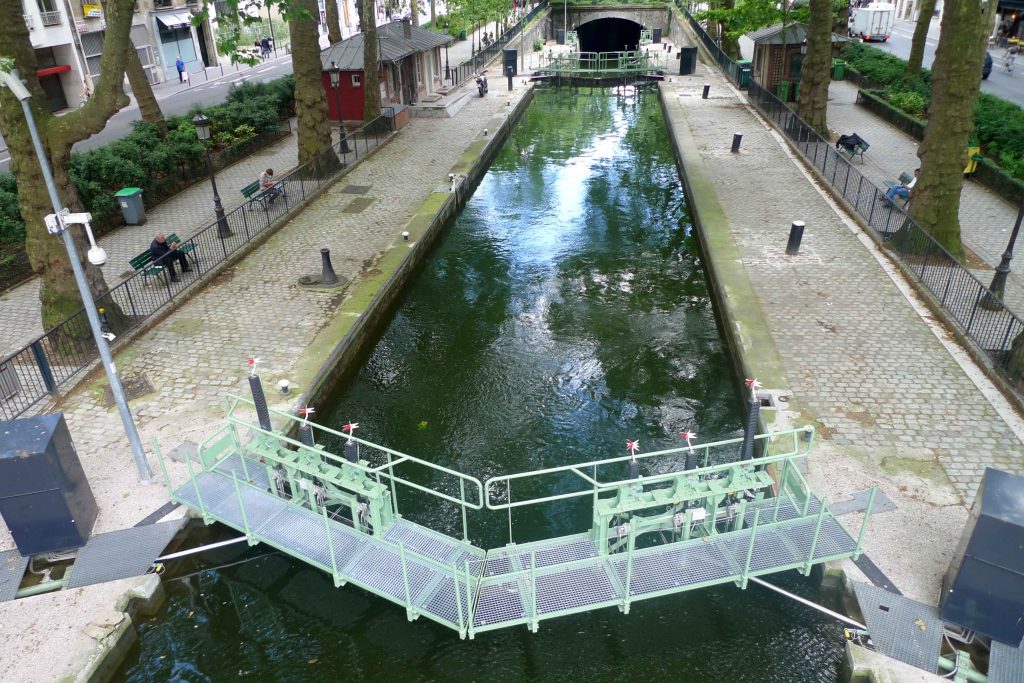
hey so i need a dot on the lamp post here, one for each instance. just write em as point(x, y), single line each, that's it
point(202, 125)
point(57, 223)
point(993, 300)
point(335, 74)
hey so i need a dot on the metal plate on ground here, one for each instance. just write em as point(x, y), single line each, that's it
point(121, 554)
point(859, 503)
point(356, 189)
point(1005, 664)
point(902, 628)
point(12, 568)
point(358, 205)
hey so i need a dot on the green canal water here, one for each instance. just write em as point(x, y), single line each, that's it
point(565, 312)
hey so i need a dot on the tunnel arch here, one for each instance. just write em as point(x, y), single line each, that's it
point(608, 34)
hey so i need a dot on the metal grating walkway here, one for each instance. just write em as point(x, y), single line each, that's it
point(902, 628)
point(1005, 663)
point(121, 554)
point(12, 569)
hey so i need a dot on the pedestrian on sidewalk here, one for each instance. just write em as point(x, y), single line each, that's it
point(901, 191)
point(180, 64)
point(166, 254)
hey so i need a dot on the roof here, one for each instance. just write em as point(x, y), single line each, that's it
point(796, 33)
point(348, 54)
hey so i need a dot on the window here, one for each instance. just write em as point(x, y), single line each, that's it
point(357, 80)
point(46, 5)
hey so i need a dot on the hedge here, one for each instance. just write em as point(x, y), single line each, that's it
point(161, 167)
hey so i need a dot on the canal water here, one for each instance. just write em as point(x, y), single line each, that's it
point(565, 312)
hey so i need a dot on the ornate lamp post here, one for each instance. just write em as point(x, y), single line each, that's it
point(202, 125)
point(993, 301)
point(335, 74)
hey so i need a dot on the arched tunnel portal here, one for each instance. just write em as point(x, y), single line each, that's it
point(608, 35)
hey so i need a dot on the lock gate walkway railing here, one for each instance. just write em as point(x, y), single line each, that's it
point(652, 535)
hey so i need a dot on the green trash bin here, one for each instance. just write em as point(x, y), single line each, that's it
point(132, 208)
point(782, 90)
point(796, 90)
point(462, 34)
point(838, 69)
point(744, 65)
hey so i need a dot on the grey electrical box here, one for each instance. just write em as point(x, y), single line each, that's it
point(510, 61)
point(687, 60)
point(45, 499)
point(984, 587)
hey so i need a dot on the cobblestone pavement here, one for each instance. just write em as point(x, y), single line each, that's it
point(198, 354)
point(892, 405)
point(185, 214)
point(986, 219)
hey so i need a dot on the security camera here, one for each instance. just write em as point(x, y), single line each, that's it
point(97, 255)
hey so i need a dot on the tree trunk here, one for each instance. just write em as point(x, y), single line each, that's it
point(814, 74)
point(58, 294)
point(314, 131)
point(730, 44)
point(956, 79)
point(371, 80)
point(148, 106)
point(333, 22)
point(433, 14)
point(924, 20)
point(414, 12)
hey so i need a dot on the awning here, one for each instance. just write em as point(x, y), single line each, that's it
point(175, 19)
point(49, 71)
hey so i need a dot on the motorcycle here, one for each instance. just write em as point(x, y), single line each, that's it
point(481, 84)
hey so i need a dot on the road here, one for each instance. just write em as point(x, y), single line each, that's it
point(175, 98)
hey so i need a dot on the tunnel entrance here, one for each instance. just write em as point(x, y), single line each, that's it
point(608, 35)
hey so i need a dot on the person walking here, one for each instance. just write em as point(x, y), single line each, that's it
point(180, 64)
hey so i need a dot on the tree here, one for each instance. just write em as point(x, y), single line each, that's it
point(956, 79)
point(924, 20)
point(371, 80)
point(814, 74)
point(149, 108)
point(314, 132)
point(58, 292)
point(333, 22)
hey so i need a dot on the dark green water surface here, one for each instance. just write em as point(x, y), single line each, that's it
point(564, 312)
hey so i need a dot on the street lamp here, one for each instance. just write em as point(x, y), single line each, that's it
point(335, 74)
point(57, 223)
point(993, 300)
point(202, 125)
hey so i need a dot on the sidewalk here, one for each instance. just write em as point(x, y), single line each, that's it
point(985, 218)
point(185, 214)
point(894, 402)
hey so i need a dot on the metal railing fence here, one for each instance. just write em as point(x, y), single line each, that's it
point(729, 67)
point(472, 66)
point(39, 369)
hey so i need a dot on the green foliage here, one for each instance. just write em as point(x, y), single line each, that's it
point(877, 66)
point(538, 44)
point(912, 103)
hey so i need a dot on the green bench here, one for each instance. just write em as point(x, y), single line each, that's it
point(144, 262)
point(852, 145)
point(904, 179)
point(255, 195)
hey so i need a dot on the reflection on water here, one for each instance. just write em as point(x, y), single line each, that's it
point(565, 312)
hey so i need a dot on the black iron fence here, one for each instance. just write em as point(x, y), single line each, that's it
point(472, 66)
point(40, 368)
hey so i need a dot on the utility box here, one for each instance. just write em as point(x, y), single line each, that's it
point(560, 36)
point(656, 35)
point(687, 60)
point(132, 208)
point(509, 60)
point(10, 384)
point(45, 499)
point(984, 587)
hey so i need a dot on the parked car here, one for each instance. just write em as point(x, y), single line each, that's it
point(986, 68)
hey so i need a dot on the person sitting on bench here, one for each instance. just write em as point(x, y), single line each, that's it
point(901, 191)
point(268, 185)
point(166, 254)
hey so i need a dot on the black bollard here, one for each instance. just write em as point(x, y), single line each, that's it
point(736, 137)
point(509, 71)
point(670, 49)
point(327, 274)
point(750, 429)
point(796, 233)
point(691, 460)
point(634, 469)
point(707, 89)
point(351, 451)
point(258, 398)
point(306, 434)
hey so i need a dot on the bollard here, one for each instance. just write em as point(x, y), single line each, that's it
point(260, 400)
point(736, 137)
point(306, 434)
point(351, 451)
point(327, 274)
point(796, 233)
point(707, 89)
point(509, 71)
point(750, 429)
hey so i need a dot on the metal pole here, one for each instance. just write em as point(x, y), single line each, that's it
point(458, 601)
point(804, 601)
point(405, 576)
point(145, 474)
point(629, 571)
point(241, 507)
point(341, 123)
point(270, 20)
point(223, 231)
point(778, 495)
point(993, 300)
point(462, 498)
point(533, 586)
point(864, 524)
point(814, 541)
point(330, 546)
point(750, 548)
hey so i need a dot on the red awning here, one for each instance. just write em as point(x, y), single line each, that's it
point(59, 69)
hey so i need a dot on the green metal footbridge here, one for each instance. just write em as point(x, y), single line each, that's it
point(662, 522)
point(602, 65)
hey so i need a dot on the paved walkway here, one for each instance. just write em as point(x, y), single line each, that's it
point(985, 218)
point(892, 404)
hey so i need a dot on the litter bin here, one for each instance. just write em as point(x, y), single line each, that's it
point(687, 60)
point(782, 90)
point(462, 34)
point(130, 199)
point(838, 69)
point(744, 65)
point(796, 90)
point(560, 36)
point(656, 35)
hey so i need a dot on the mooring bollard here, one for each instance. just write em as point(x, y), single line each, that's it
point(509, 70)
point(707, 89)
point(327, 274)
point(736, 137)
point(750, 428)
point(796, 233)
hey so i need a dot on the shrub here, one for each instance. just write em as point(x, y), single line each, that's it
point(538, 44)
point(910, 102)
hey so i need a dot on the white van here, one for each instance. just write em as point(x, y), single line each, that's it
point(873, 22)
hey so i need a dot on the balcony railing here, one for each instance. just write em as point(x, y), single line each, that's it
point(30, 22)
point(51, 18)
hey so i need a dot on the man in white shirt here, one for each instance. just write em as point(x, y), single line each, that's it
point(902, 191)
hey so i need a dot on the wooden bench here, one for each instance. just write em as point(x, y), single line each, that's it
point(144, 261)
point(852, 145)
point(255, 195)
